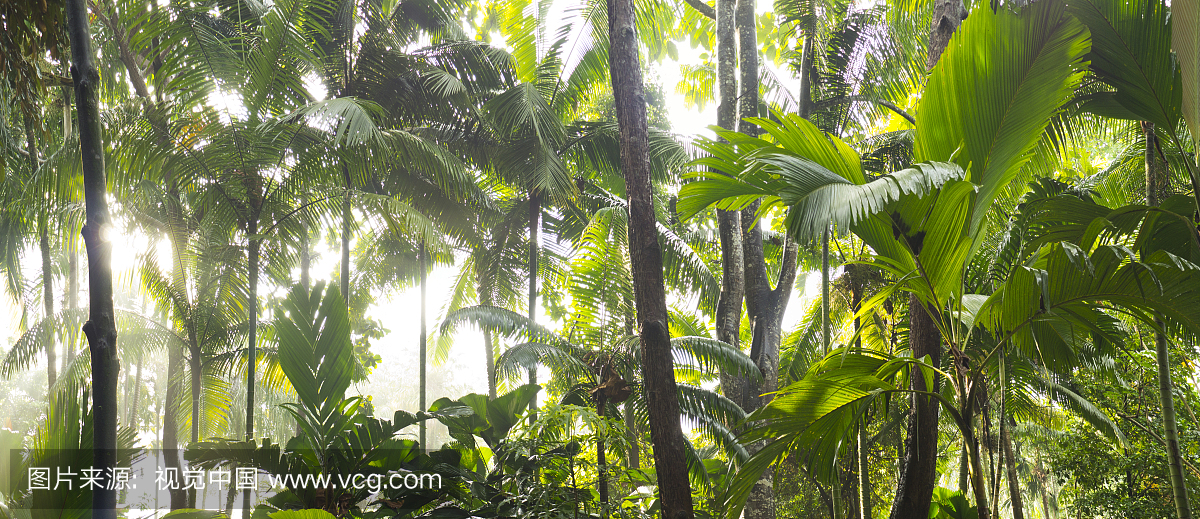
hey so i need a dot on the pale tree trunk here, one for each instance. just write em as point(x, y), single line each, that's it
point(645, 253)
point(764, 306)
point(305, 249)
point(137, 393)
point(489, 344)
point(72, 295)
point(347, 216)
point(1158, 187)
point(856, 275)
point(421, 346)
point(729, 223)
point(101, 327)
point(48, 335)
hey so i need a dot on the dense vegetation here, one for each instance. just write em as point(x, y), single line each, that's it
point(1000, 200)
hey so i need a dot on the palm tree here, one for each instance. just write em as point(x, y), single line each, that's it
point(101, 328)
point(992, 166)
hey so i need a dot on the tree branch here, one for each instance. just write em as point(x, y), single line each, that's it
point(850, 99)
point(704, 9)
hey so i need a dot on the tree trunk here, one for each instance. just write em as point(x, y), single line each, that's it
point(601, 465)
point(918, 471)
point(857, 280)
point(826, 322)
point(947, 16)
point(729, 223)
point(918, 474)
point(1010, 466)
point(137, 393)
point(645, 255)
point(48, 333)
point(535, 213)
point(977, 482)
point(252, 348)
point(170, 435)
point(347, 216)
point(48, 306)
point(101, 327)
point(764, 306)
point(635, 451)
point(72, 296)
point(421, 346)
point(305, 249)
point(1158, 187)
point(490, 359)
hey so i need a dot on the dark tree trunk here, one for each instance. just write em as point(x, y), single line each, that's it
point(1158, 187)
point(101, 327)
point(195, 366)
point(423, 339)
point(947, 16)
point(918, 474)
point(535, 213)
point(918, 470)
point(170, 435)
point(645, 255)
point(1010, 466)
point(601, 465)
point(252, 347)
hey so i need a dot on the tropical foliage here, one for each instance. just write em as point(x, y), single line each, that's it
point(455, 258)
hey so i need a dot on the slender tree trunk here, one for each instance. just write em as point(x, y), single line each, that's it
point(72, 296)
point(170, 435)
point(1158, 187)
point(856, 274)
point(729, 223)
point(918, 473)
point(137, 393)
point(978, 484)
point(48, 306)
point(964, 470)
point(101, 328)
point(490, 359)
point(1010, 466)
point(194, 365)
point(645, 255)
point(305, 250)
point(826, 319)
point(47, 269)
point(252, 348)
point(347, 217)
point(601, 465)
point(535, 213)
point(635, 454)
point(421, 347)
